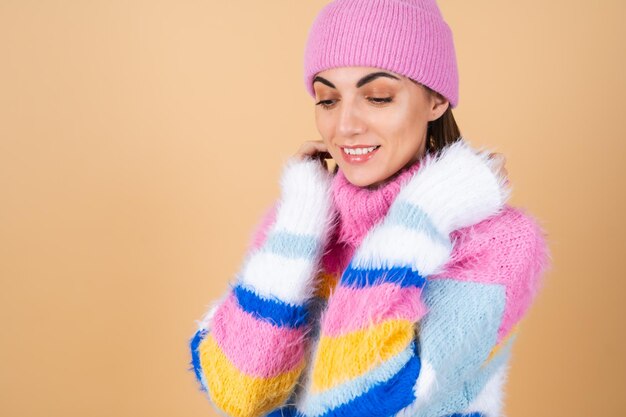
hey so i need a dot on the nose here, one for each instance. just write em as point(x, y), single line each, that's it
point(350, 121)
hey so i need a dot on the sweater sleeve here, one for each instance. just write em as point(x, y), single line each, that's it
point(475, 305)
point(366, 361)
point(249, 349)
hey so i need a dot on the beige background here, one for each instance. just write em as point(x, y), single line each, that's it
point(140, 142)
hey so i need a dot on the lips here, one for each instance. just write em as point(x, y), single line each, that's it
point(359, 158)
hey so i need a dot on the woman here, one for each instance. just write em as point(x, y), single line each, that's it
point(393, 285)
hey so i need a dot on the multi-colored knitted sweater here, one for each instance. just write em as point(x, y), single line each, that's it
point(403, 300)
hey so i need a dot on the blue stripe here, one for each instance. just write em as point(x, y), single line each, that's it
point(318, 404)
point(413, 217)
point(195, 357)
point(286, 411)
point(403, 276)
point(466, 415)
point(276, 312)
point(291, 245)
point(384, 399)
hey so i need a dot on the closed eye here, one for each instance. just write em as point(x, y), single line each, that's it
point(380, 100)
point(324, 103)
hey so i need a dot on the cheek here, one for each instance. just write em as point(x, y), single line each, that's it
point(398, 130)
point(324, 124)
point(403, 137)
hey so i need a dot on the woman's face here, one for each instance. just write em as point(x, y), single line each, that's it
point(361, 107)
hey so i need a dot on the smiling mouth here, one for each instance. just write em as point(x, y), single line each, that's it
point(357, 155)
point(364, 150)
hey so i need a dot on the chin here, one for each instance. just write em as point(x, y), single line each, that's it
point(362, 178)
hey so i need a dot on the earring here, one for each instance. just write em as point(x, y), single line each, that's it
point(432, 143)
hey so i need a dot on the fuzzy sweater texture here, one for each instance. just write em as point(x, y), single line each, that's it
point(404, 300)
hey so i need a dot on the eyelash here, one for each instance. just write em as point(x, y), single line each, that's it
point(376, 100)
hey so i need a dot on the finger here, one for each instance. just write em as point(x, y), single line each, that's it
point(499, 159)
point(312, 148)
point(320, 146)
point(495, 155)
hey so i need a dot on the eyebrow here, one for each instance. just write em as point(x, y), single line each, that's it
point(364, 80)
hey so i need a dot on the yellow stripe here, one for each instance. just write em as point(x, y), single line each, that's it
point(238, 394)
point(326, 283)
point(348, 356)
point(497, 347)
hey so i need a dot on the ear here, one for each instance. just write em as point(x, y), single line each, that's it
point(439, 105)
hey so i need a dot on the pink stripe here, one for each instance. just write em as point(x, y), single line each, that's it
point(508, 249)
point(351, 309)
point(256, 347)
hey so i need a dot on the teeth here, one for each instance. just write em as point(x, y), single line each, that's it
point(359, 151)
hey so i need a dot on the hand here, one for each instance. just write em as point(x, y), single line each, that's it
point(313, 149)
point(501, 159)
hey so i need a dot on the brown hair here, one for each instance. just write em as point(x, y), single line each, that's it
point(442, 131)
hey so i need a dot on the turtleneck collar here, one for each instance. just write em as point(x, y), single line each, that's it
point(359, 208)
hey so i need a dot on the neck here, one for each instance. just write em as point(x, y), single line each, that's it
point(361, 207)
point(378, 184)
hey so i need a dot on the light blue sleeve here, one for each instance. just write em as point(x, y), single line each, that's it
point(455, 339)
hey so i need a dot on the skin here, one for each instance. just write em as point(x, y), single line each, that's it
point(349, 111)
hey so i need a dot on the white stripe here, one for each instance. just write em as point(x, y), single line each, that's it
point(305, 205)
point(490, 400)
point(423, 389)
point(457, 189)
point(425, 383)
point(387, 245)
point(271, 275)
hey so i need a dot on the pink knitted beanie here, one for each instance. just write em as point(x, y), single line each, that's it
point(408, 37)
